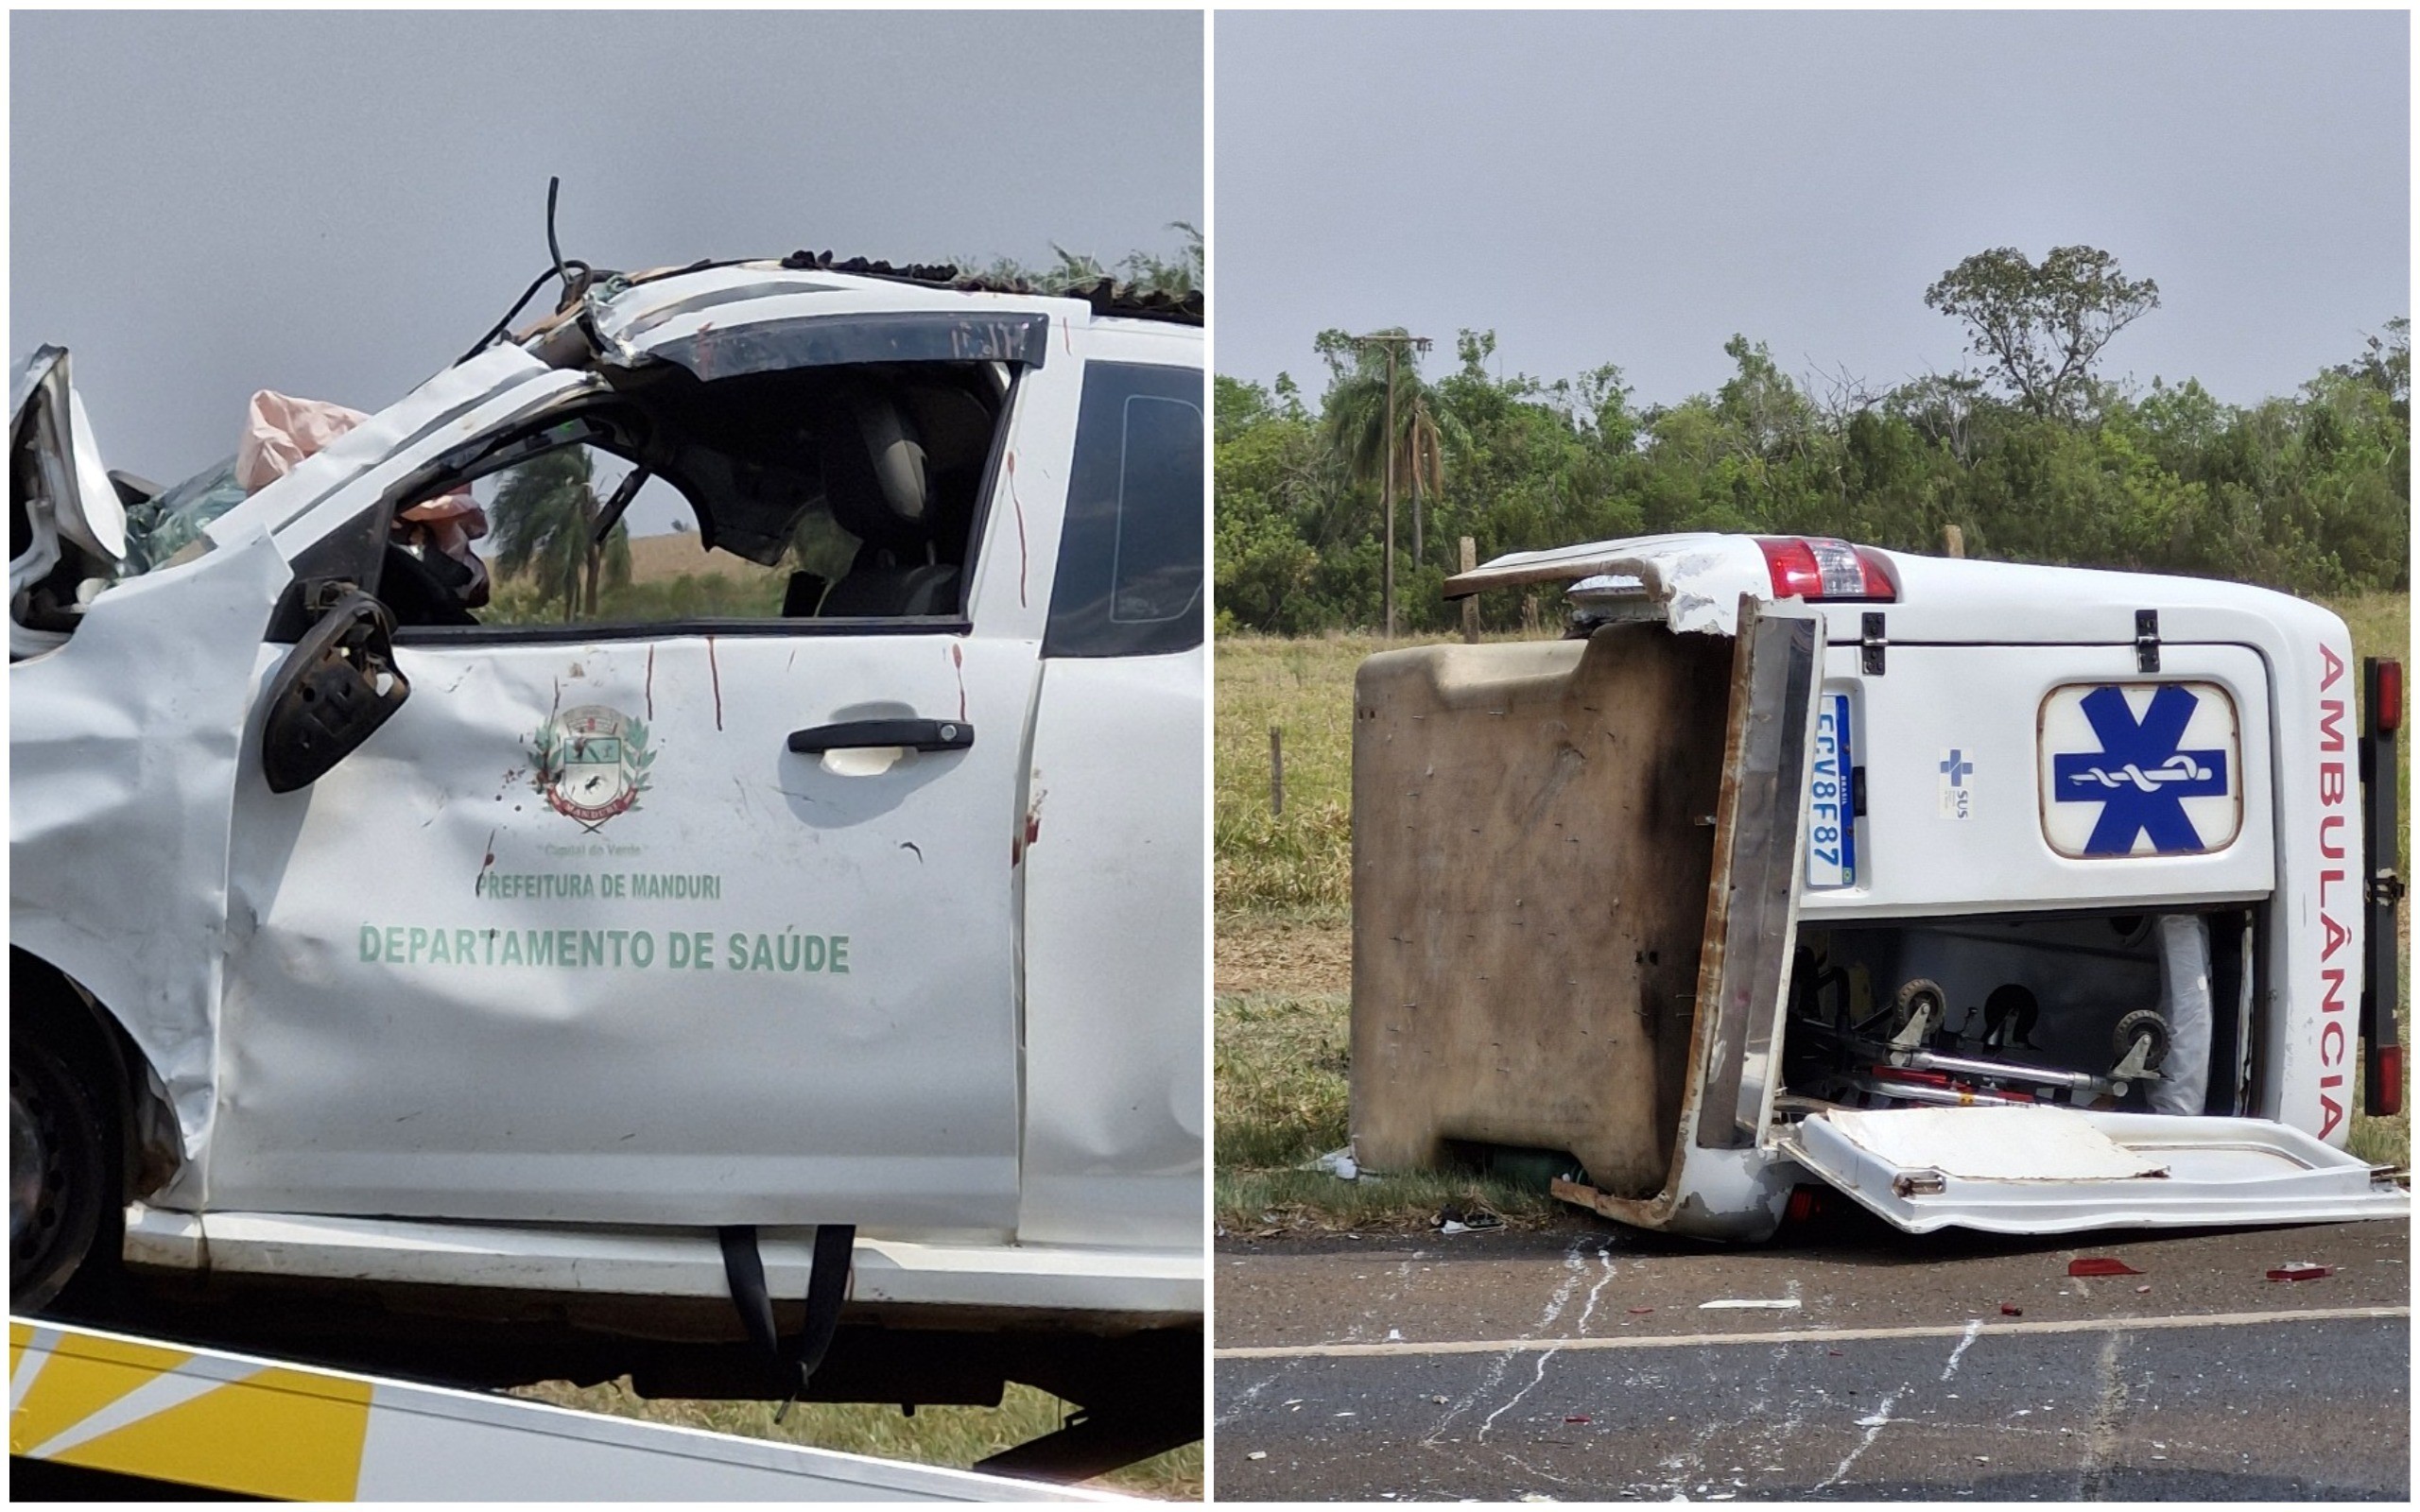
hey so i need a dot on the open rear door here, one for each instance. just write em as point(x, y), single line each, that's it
point(2058, 1170)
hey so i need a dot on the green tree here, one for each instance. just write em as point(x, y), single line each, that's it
point(1357, 411)
point(2309, 493)
point(544, 517)
point(2039, 327)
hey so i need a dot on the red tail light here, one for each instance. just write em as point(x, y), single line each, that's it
point(2385, 1090)
point(1816, 568)
point(2387, 699)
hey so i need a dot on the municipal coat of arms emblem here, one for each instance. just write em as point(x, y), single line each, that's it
point(591, 763)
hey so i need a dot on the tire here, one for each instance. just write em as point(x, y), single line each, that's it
point(59, 1164)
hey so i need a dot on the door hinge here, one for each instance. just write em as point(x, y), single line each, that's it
point(2386, 889)
point(1872, 642)
point(2147, 640)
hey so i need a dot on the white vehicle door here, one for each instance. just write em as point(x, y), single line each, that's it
point(2058, 1170)
point(1113, 870)
point(679, 892)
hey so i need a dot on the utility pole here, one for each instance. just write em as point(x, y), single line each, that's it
point(1393, 341)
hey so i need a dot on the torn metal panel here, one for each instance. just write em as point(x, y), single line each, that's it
point(125, 750)
point(1696, 580)
point(67, 520)
point(88, 509)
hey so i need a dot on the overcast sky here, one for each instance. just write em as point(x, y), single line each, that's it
point(336, 205)
point(1634, 188)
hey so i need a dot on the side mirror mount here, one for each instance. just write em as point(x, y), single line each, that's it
point(334, 689)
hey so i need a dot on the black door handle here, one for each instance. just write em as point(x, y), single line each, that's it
point(916, 734)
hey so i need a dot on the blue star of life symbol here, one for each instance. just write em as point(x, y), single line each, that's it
point(1957, 767)
point(2139, 776)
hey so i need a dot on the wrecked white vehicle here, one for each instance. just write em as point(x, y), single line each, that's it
point(609, 972)
point(2013, 898)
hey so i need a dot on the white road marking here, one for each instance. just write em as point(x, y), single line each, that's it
point(1684, 1341)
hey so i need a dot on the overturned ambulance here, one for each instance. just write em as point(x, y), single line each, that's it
point(817, 913)
point(2013, 898)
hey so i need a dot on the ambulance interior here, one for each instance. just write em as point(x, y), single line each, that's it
point(2145, 1011)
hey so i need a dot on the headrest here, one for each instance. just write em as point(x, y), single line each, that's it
point(873, 472)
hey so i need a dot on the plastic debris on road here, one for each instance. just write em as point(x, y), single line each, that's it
point(1463, 1220)
point(2301, 1270)
point(1758, 1304)
point(1337, 1163)
point(2101, 1266)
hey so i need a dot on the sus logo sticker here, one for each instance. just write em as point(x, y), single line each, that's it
point(2140, 769)
point(591, 763)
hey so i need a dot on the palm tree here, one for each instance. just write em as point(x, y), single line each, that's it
point(1356, 428)
point(546, 526)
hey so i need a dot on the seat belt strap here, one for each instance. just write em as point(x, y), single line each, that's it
point(827, 1288)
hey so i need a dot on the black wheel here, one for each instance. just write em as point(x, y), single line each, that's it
point(1923, 994)
point(59, 1185)
point(2134, 1027)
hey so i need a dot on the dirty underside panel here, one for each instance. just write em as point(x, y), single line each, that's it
point(1531, 850)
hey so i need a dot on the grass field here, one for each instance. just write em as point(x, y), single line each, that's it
point(1283, 944)
point(956, 1437)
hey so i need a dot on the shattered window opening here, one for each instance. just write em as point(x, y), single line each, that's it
point(834, 494)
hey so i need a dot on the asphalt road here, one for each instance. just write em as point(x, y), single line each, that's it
point(1570, 1367)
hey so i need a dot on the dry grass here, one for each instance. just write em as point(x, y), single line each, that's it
point(956, 1437)
point(1281, 1099)
point(1301, 861)
point(663, 558)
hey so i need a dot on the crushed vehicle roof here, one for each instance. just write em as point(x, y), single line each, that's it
point(1106, 296)
point(1695, 578)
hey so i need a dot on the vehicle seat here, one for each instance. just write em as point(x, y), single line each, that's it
point(875, 481)
point(880, 590)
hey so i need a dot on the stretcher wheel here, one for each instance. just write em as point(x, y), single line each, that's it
point(2134, 1027)
point(1923, 993)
